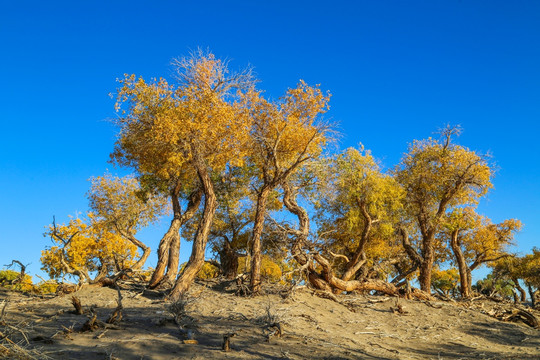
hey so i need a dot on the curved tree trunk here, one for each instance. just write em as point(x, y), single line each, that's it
point(256, 247)
point(522, 292)
point(355, 264)
point(164, 252)
point(169, 246)
point(146, 251)
point(325, 279)
point(174, 261)
point(196, 260)
point(462, 265)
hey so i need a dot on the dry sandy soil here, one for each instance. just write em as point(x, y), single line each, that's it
point(359, 327)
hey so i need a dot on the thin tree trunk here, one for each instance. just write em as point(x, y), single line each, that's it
point(168, 257)
point(462, 265)
point(355, 264)
point(196, 260)
point(532, 294)
point(469, 279)
point(256, 249)
point(164, 252)
point(146, 251)
point(174, 261)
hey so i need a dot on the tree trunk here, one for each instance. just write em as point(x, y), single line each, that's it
point(164, 252)
point(102, 273)
point(196, 260)
point(462, 265)
point(522, 292)
point(146, 251)
point(228, 259)
point(172, 265)
point(532, 294)
point(426, 266)
point(355, 264)
point(167, 256)
point(256, 247)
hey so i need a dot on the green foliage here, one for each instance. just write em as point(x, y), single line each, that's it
point(10, 279)
point(493, 286)
point(445, 281)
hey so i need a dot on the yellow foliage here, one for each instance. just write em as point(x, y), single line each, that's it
point(269, 269)
point(164, 127)
point(445, 280)
point(9, 279)
point(82, 248)
point(208, 271)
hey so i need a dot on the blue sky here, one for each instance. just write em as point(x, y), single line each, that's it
point(398, 71)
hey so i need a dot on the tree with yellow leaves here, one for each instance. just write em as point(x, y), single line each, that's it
point(357, 208)
point(285, 135)
point(475, 240)
point(438, 175)
point(83, 248)
point(120, 206)
point(185, 131)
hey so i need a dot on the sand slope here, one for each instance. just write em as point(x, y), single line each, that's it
point(360, 327)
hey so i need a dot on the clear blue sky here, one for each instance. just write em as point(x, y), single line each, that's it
point(398, 71)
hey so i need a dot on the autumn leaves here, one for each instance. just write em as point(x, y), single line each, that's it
point(223, 155)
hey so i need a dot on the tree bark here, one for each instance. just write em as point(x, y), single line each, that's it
point(256, 247)
point(172, 264)
point(228, 259)
point(426, 267)
point(522, 292)
point(169, 255)
point(325, 279)
point(462, 265)
point(355, 264)
point(196, 260)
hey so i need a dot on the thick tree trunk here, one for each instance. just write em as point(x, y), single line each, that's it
point(256, 247)
point(196, 260)
point(462, 265)
point(426, 267)
point(228, 259)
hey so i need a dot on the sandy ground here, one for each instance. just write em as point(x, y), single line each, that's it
point(359, 327)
